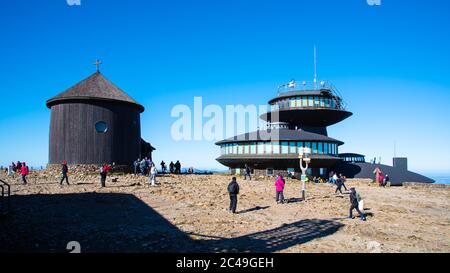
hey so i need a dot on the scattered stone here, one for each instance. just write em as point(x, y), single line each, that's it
point(374, 247)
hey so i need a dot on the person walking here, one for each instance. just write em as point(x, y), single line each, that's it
point(338, 186)
point(279, 188)
point(247, 173)
point(233, 190)
point(64, 171)
point(153, 174)
point(24, 171)
point(103, 174)
point(343, 179)
point(354, 202)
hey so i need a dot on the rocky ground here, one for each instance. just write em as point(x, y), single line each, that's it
point(188, 213)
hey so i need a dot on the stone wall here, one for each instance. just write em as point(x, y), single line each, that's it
point(88, 168)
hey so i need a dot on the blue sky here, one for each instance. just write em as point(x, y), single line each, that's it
point(391, 63)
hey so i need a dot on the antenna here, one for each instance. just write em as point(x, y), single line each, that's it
point(315, 67)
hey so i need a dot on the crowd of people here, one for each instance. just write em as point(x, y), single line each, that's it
point(175, 168)
point(280, 184)
point(338, 180)
point(146, 167)
point(142, 166)
point(19, 168)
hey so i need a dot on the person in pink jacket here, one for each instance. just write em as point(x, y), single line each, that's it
point(279, 188)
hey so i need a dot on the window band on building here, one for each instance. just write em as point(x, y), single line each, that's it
point(283, 147)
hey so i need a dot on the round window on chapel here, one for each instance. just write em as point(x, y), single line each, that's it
point(101, 127)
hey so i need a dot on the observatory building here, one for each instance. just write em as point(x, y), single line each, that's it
point(95, 122)
point(299, 118)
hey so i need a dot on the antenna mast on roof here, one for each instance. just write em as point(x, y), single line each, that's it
point(315, 67)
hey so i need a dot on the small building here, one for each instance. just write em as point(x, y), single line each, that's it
point(355, 166)
point(95, 122)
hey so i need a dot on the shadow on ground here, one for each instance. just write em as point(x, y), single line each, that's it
point(253, 209)
point(110, 222)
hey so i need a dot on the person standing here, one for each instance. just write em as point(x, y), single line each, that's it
point(148, 163)
point(163, 167)
point(24, 171)
point(153, 173)
point(171, 167)
point(247, 173)
point(334, 179)
point(279, 188)
point(19, 166)
point(233, 190)
point(177, 167)
point(143, 166)
point(354, 202)
point(136, 166)
point(10, 170)
point(330, 177)
point(103, 174)
point(386, 180)
point(64, 171)
point(381, 180)
point(377, 173)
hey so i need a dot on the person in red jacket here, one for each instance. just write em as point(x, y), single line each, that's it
point(24, 171)
point(381, 179)
point(103, 173)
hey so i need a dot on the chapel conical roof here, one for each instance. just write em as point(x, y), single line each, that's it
point(94, 87)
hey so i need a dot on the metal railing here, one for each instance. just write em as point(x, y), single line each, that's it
point(303, 86)
point(294, 86)
point(5, 202)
